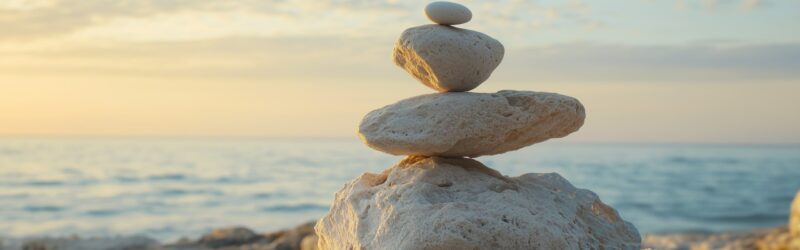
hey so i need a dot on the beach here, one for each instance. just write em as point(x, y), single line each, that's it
point(302, 237)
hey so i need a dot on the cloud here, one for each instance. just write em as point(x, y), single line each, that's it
point(64, 17)
point(300, 58)
point(58, 18)
point(711, 3)
point(586, 62)
point(345, 39)
point(751, 4)
point(360, 60)
point(523, 20)
point(718, 4)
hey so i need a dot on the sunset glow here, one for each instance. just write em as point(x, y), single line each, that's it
point(660, 71)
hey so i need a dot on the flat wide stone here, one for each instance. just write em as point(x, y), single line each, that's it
point(470, 124)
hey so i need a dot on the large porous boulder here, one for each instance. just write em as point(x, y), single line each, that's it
point(456, 203)
point(447, 58)
point(470, 124)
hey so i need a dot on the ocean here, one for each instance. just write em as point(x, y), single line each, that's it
point(172, 188)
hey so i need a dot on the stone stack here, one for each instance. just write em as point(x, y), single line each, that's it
point(437, 198)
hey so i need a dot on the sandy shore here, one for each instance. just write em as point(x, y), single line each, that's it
point(780, 238)
point(300, 237)
point(769, 238)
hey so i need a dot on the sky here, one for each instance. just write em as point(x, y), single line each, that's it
point(648, 71)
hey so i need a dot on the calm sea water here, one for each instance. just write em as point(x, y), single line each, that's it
point(168, 188)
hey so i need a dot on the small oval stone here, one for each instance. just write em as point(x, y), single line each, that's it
point(448, 13)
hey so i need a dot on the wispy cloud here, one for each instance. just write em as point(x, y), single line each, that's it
point(54, 18)
point(521, 22)
point(366, 60)
point(582, 62)
point(752, 4)
point(61, 17)
point(282, 66)
point(717, 4)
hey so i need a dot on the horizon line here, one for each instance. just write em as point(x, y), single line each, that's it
point(355, 138)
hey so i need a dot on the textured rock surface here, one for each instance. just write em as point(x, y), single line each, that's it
point(470, 124)
point(447, 58)
point(447, 13)
point(448, 203)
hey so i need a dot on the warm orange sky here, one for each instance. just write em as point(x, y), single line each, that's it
point(647, 71)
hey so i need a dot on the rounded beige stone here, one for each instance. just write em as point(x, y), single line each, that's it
point(447, 59)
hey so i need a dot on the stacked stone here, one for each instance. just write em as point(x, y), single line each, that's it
point(455, 123)
point(438, 198)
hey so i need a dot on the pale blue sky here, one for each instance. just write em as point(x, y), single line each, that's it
point(641, 22)
point(711, 71)
point(686, 22)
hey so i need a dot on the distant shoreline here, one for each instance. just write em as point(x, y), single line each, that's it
point(355, 139)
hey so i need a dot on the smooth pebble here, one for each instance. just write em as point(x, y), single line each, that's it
point(448, 13)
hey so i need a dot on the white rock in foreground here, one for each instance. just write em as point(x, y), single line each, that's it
point(447, 13)
point(447, 58)
point(470, 124)
point(448, 203)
